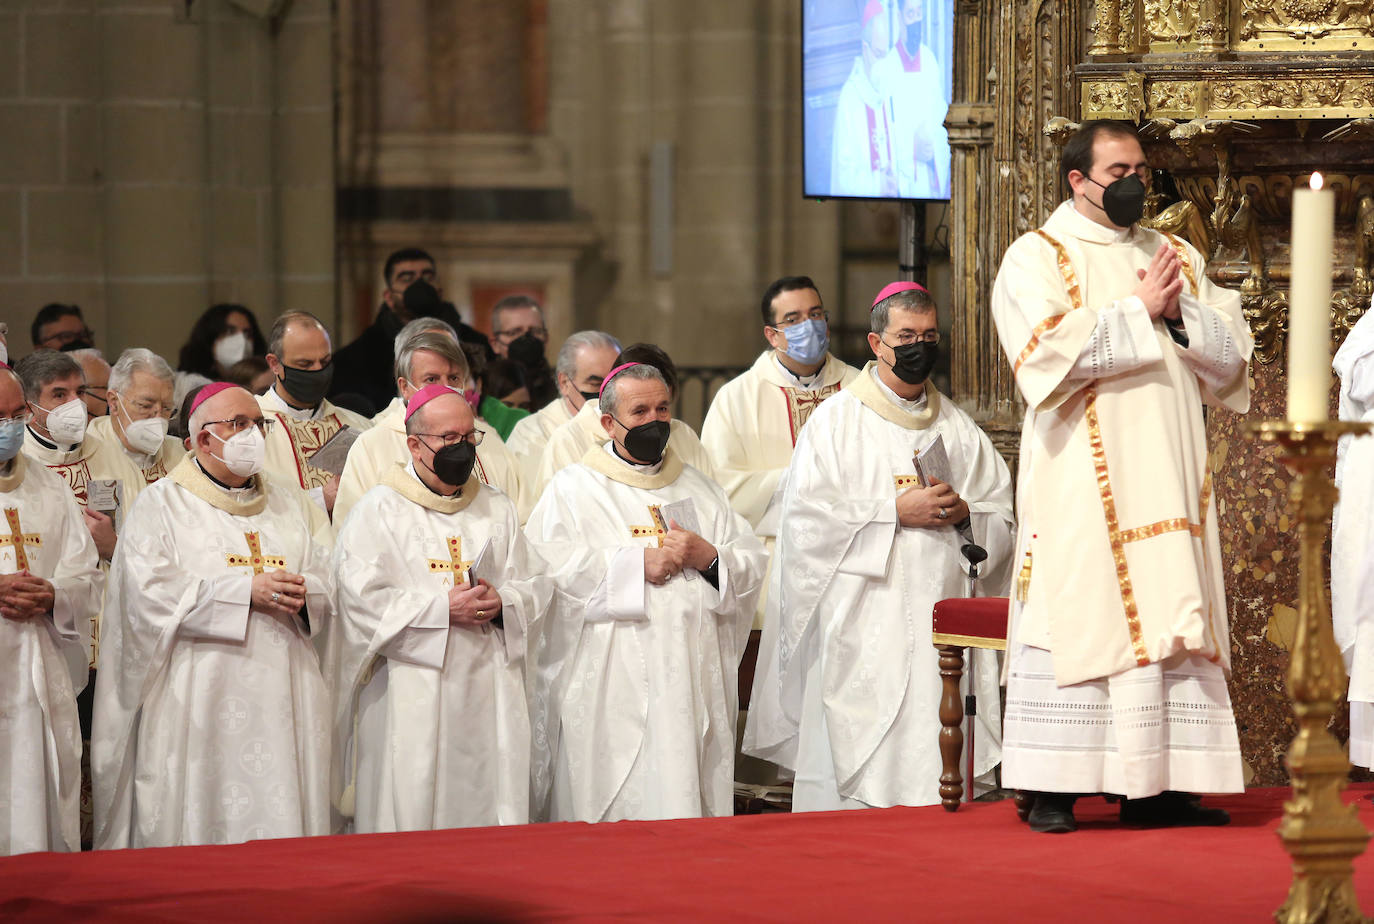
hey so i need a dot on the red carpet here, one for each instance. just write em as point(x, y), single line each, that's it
point(897, 864)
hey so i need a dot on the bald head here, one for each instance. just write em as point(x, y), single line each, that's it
point(12, 402)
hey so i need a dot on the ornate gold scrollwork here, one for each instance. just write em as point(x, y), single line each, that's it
point(1106, 28)
point(1171, 23)
point(1288, 98)
point(1267, 314)
point(1304, 21)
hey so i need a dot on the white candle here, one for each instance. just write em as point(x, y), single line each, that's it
point(1309, 303)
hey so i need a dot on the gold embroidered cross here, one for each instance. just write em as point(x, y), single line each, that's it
point(254, 559)
point(907, 481)
point(658, 530)
point(18, 538)
point(455, 562)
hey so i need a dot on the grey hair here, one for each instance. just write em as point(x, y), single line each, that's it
point(137, 359)
point(512, 303)
point(419, 326)
point(274, 340)
point(87, 353)
point(610, 398)
point(43, 367)
point(575, 344)
point(433, 342)
point(916, 300)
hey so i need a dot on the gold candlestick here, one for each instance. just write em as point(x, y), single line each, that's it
point(1320, 833)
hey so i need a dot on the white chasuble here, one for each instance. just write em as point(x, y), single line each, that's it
point(432, 722)
point(848, 686)
point(383, 446)
point(45, 661)
point(211, 718)
point(531, 434)
point(636, 694)
point(584, 432)
point(750, 432)
point(1117, 547)
point(298, 435)
point(1352, 537)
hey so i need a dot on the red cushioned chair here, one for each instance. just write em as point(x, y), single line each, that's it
point(956, 624)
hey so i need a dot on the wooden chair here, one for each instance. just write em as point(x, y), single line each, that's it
point(956, 624)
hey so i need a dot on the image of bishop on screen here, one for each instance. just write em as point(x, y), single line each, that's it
point(877, 92)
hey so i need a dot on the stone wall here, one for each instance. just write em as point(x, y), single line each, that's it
point(159, 158)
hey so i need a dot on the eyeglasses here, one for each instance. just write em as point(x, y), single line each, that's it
point(146, 406)
point(815, 314)
point(23, 417)
point(509, 336)
point(908, 337)
point(239, 424)
point(448, 439)
point(64, 337)
point(92, 389)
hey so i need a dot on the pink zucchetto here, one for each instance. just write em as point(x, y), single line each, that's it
point(209, 391)
point(612, 374)
point(892, 288)
point(426, 395)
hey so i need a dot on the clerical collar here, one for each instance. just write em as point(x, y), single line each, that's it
point(49, 444)
point(804, 382)
point(295, 413)
point(416, 475)
point(1082, 226)
point(910, 405)
point(644, 469)
point(246, 489)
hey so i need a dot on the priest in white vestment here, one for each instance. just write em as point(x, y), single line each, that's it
point(439, 594)
point(848, 688)
point(636, 694)
point(1119, 645)
point(918, 102)
point(212, 718)
point(752, 426)
point(301, 357)
point(427, 358)
point(570, 442)
point(50, 588)
point(1352, 537)
point(140, 401)
point(862, 149)
point(583, 361)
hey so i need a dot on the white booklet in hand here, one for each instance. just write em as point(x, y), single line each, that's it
point(932, 463)
point(684, 512)
point(482, 567)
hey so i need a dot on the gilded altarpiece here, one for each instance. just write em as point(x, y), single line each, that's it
point(1238, 101)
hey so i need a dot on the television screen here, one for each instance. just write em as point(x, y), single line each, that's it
point(877, 77)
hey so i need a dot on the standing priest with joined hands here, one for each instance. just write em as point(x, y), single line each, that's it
point(50, 587)
point(848, 694)
point(637, 688)
point(211, 714)
point(428, 660)
point(1119, 644)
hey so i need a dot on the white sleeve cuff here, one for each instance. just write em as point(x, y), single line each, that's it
point(867, 555)
point(1124, 339)
point(1211, 352)
point(425, 641)
point(221, 609)
point(621, 594)
point(64, 615)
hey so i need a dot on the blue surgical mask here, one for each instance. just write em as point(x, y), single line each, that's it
point(808, 340)
point(11, 438)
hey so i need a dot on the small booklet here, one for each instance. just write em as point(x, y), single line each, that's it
point(482, 568)
point(334, 453)
point(932, 464)
point(103, 495)
point(684, 512)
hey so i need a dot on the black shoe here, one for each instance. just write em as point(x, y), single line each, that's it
point(1171, 810)
point(1052, 813)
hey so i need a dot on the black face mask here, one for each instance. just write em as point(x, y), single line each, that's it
point(527, 350)
point(453, 464)
point(647, 442)
point(590, 395)
point(1124, 200)
point(307, 386)
point(76, 345)
point(913, 361)
point(422, 300)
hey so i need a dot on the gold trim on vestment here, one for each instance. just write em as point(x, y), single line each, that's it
point(1048, 324)
point(412, 489)
point(1075, 300)
point(1182, 252)
point(599, 460)
point(188, 475)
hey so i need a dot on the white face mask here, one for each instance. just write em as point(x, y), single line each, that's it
point(243, 452)
point(232, 348)
point(143, 436)
point(66, 423)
